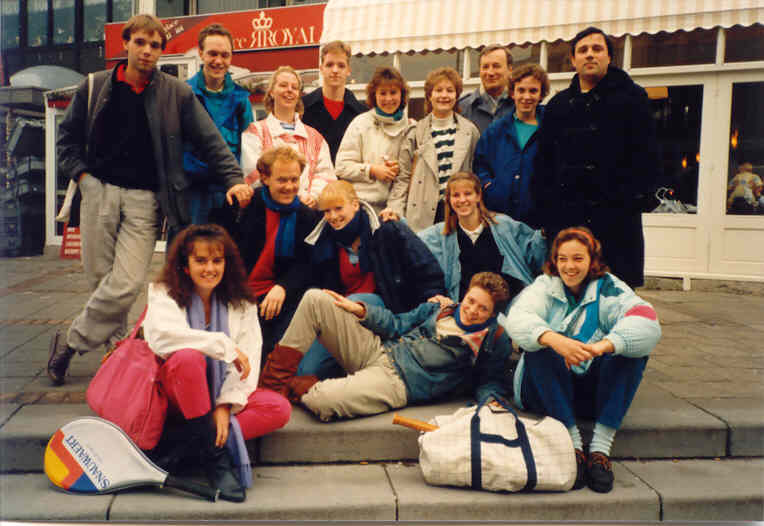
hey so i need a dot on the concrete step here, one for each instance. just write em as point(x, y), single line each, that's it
point(658, 425)
point(729, 489)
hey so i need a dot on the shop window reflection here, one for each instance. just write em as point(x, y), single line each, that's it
point(416, 66)
point(362, 67)
point(677, 114)
point(745, 191)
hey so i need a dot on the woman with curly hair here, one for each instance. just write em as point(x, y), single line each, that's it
point(202, 321)
point(586, 337)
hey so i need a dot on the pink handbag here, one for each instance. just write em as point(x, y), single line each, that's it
point(126, 390)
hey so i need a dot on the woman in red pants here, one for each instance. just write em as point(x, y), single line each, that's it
point(202, 320)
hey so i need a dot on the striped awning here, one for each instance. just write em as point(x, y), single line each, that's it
point(376, 26)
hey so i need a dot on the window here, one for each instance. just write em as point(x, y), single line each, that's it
point(680, 48)
point(170, 8)
point(95, 18)
point(37, 23)
point(677, 114)
point(416, 66)
point(746, 151)
point(744, 43)
point(9, 21)
point(362, 67)
point(63, 21)
point(559, 55)
point(121, 10)
point(525, 54)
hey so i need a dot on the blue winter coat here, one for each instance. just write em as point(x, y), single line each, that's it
point(233, 117)
point(506, 170)
point(523, 248)
point(432, 368)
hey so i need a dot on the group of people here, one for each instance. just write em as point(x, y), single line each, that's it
point(349, 259)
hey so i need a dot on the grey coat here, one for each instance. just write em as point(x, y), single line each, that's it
point(414, 194)
point(174, 115)
point(474, 107)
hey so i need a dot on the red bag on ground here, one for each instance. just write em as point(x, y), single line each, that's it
point(127, 392)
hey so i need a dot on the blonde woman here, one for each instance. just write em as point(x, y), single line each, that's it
point(283, 127)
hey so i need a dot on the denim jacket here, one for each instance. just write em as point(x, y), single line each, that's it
point(432, 368)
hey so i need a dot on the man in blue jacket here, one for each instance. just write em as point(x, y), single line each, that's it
point(491, 100)
point(394, 359)
point(228, 105)
point(506, 152)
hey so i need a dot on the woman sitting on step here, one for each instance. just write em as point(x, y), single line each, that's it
point(202, 321)
point(586, 337)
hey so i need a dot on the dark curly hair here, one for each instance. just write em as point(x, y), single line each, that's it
point(597, 267)
point(232, 289)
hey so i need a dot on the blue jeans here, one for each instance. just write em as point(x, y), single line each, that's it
point(318, 361)
point(604, 393)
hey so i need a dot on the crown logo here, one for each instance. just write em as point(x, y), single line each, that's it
point(262, 22)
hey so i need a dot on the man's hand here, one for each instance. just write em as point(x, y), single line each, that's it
point(243, 193)
point(443, 300)
point(388, 214)
point(271, 305)
point(241, 362)
point(221, 416)
point(309, 201)
point(353, 307)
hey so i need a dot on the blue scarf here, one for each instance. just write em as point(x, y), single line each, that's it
point(216, 373)
point(285, 237)
point(590, 325)
point(398, 115)
point(330, 238)
point(472, 328)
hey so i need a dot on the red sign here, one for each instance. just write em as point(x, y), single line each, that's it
point(261, 29)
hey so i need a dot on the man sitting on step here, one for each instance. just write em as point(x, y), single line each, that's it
point(393, 359)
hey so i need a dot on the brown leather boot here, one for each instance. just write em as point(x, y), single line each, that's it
point(280, 366)
point(299, 385)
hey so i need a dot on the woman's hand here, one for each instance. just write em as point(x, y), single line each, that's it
point(573, 351)
point(222, 417)
point(309, 201)
point(353, 307)
point(603, 346)
point(443, 300)
point(241, 362)
point(388, 214)
point(384, 172)
point(271, 305)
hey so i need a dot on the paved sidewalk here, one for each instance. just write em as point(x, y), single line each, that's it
point(691, 447)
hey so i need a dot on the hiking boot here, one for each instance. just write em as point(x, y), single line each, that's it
point(60, 356)
point(580, 470)
point(600, 472)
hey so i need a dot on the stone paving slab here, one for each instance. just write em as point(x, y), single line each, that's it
point(630, 500)
point(307, 439)
point(6, 410)
point(745, 418)
point(327, 493)
point(26, 434)
point(32, 497)
point(660, 425)
point(706, 490)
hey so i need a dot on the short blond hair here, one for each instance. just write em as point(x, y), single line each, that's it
point(281, 153)
point(268, 98)
point(335, 193)
point(335, 46)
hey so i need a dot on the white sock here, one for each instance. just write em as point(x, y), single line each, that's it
point(575, 435)
point(602, 439)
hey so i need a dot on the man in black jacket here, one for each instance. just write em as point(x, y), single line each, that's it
point(121, 140)
point(330, 108)
point(598, 156)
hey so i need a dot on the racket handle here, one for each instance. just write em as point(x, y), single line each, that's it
point(202, 490)
point(413, 423)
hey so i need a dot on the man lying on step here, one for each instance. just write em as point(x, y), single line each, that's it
point(393, 360)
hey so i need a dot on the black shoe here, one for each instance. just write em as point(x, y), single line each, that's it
point(580, 470)
point(222, 475)
point(60, 356)
point(600, 472)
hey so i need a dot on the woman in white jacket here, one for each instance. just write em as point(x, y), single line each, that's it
point(586, 337)
point(282, 126)
point(368, 154)
point(202, 321)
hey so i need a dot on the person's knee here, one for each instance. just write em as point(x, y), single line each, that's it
point(322, 400)
point(187, 363)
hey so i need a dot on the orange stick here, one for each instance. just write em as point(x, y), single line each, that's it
point(413, 423)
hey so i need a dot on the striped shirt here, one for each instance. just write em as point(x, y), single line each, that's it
point(443, 135)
